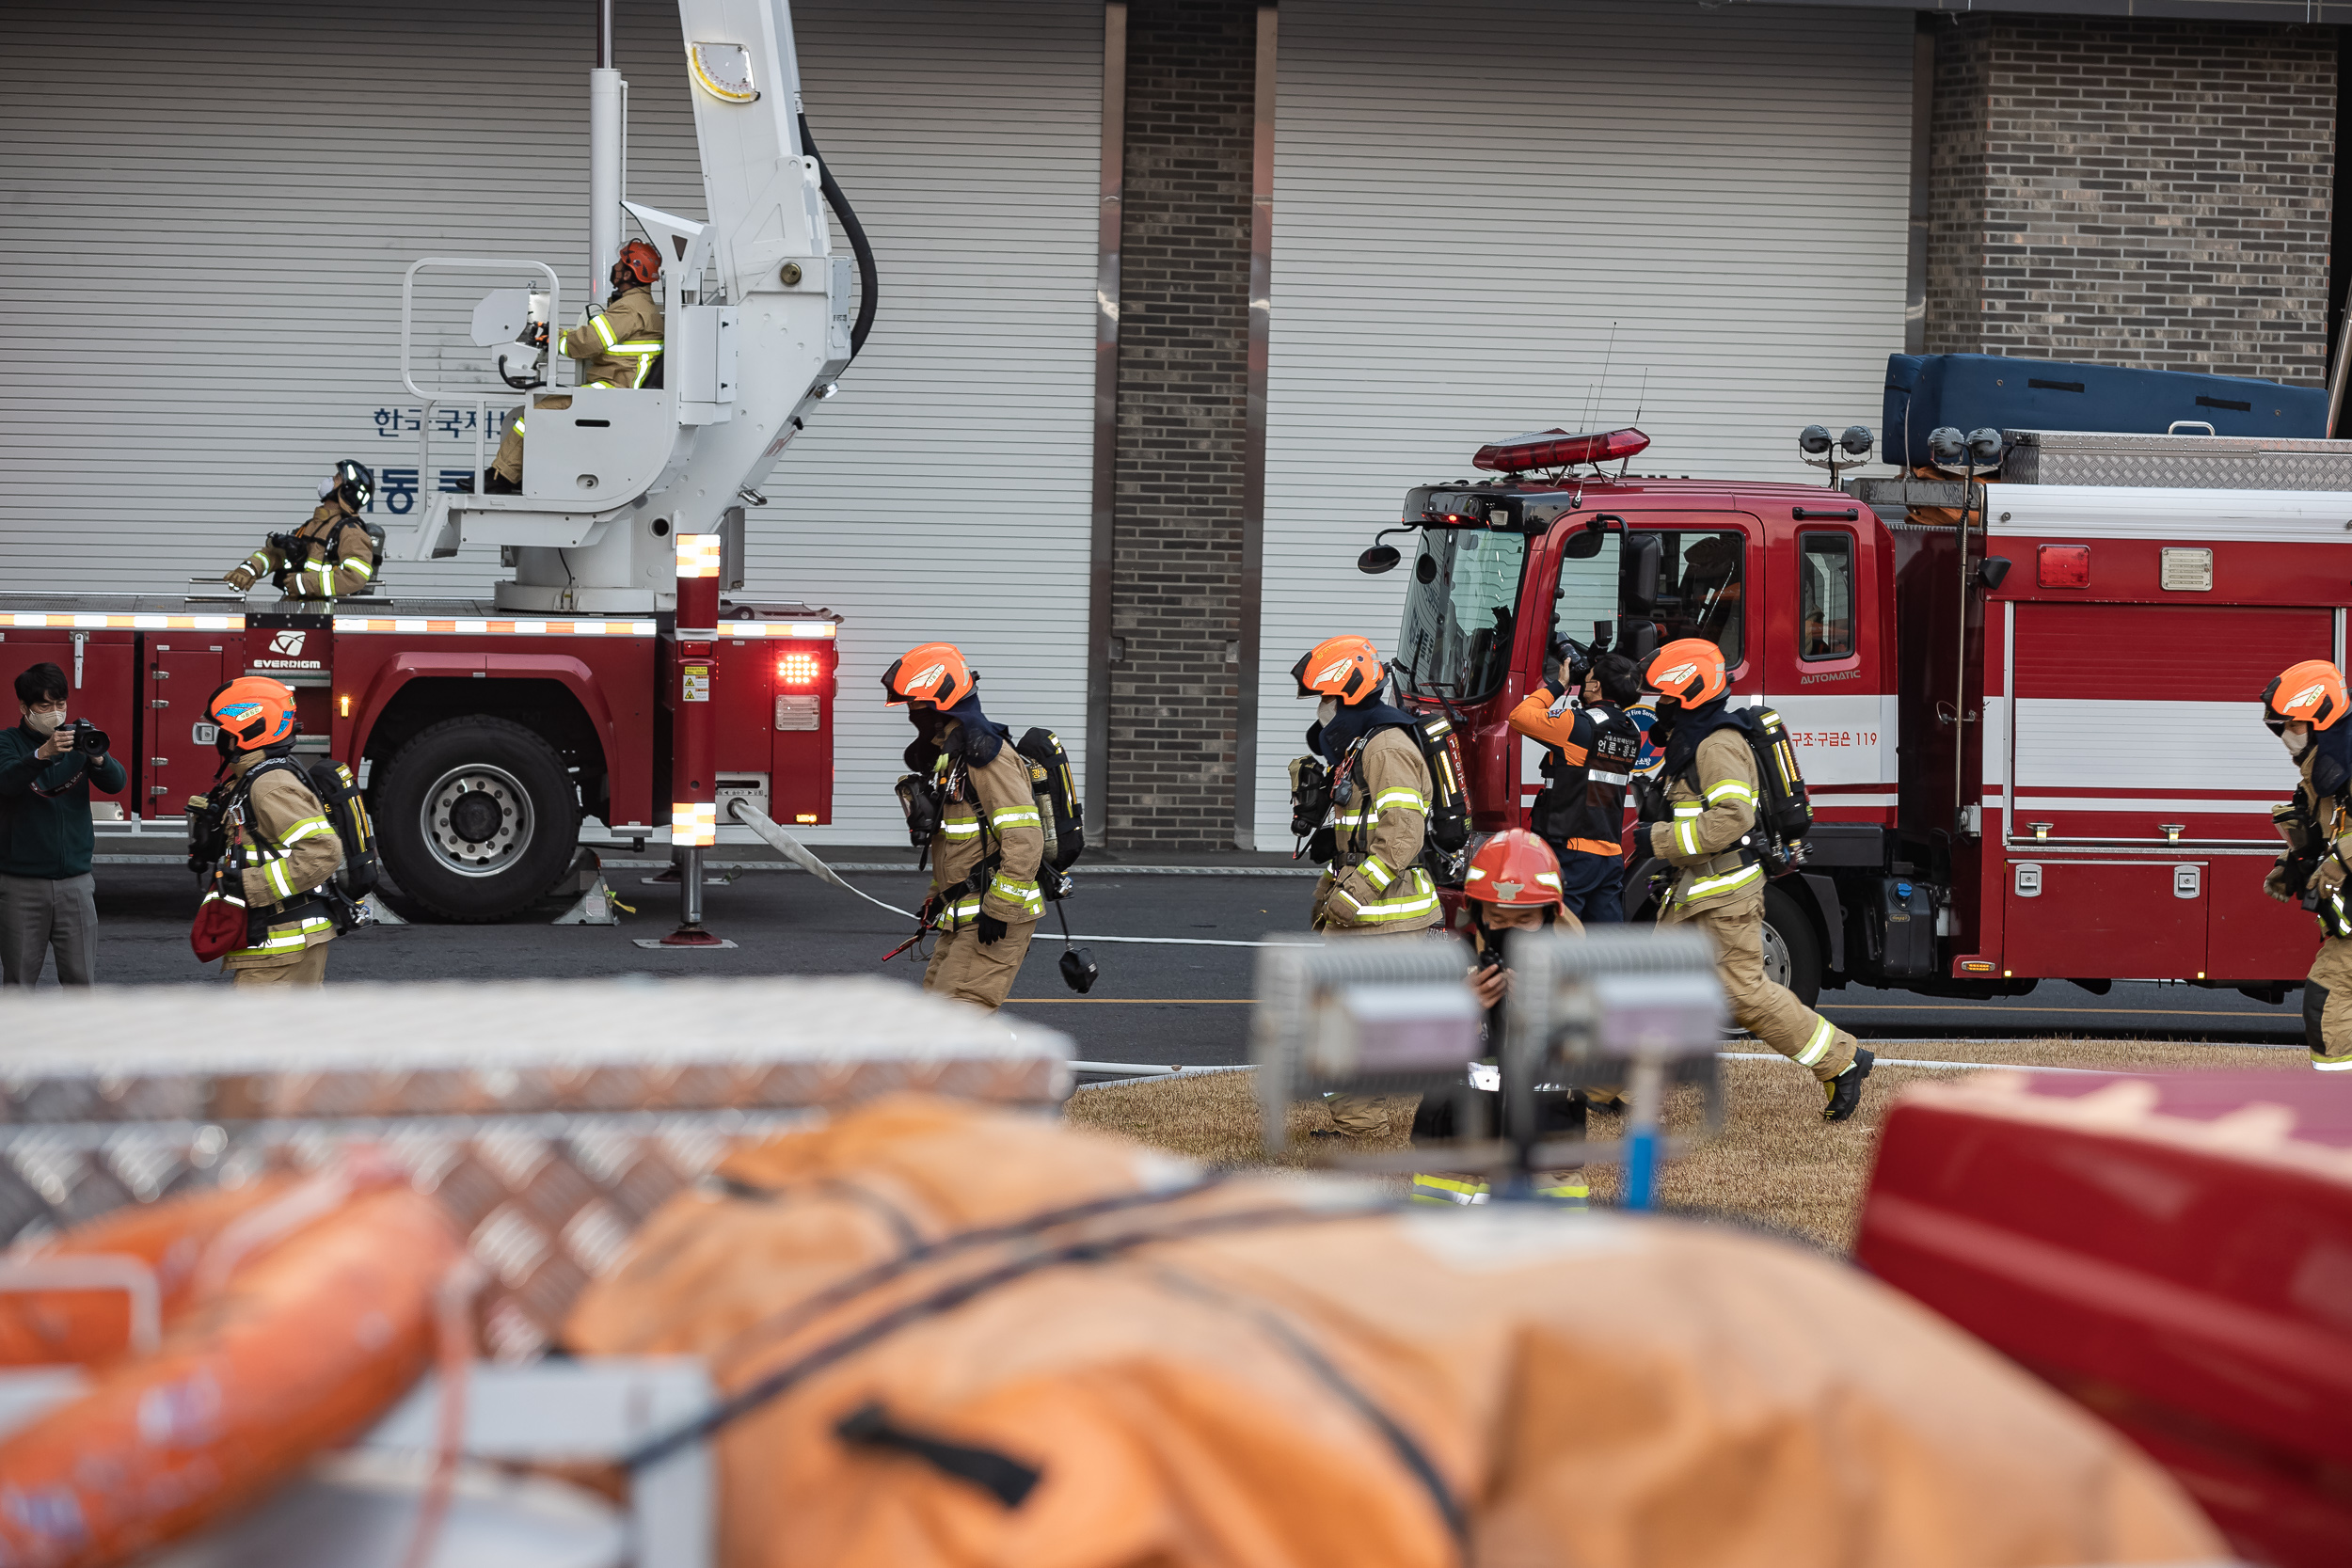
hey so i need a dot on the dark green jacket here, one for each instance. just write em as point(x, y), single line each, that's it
point(44, 807)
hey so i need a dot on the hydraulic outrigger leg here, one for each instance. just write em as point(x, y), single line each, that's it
point(693, 750)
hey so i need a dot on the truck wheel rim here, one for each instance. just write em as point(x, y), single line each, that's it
point(477, 820)
point(1775, 957)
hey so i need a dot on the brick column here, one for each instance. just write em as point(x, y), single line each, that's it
point(2153, 193)
point(1182, 365)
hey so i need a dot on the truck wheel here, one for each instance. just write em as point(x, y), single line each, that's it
point(477, 818)
point(1792, 953)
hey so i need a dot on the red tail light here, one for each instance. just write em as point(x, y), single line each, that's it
point(2065, 565)
point(1557, 449)
point(798, 670)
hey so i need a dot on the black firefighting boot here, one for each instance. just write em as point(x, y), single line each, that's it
point(1845, 1091)
point(496, 484)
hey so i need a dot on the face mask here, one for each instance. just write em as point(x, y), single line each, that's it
point(1327, 710)
point(2297, 744)
point(43, 724)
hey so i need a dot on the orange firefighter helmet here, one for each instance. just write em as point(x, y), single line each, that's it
point(1513, 867)
point(253, 711)
point(2310, 692)
point(639, 260)
point(1347, 668)
point(1689, 670)
point(933, 673)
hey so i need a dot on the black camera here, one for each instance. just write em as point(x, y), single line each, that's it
point(90, 739)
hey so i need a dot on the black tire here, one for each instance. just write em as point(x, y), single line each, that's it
point(504, 823)
point(1793, 949)
point(1787, 924)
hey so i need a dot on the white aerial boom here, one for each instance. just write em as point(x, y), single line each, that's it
point(757, 325)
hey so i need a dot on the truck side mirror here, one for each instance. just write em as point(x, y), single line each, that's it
point(1380, 559)
point(1639, 568)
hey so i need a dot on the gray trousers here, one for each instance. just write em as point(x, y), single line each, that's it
point(37, 915)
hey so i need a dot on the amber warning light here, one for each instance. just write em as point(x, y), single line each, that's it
point(1557, 449)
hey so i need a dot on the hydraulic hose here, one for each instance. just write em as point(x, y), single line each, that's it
point(868, 277)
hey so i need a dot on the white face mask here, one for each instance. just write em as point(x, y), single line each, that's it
point(1327, 710)
point(2297, 744)
point(43, 724)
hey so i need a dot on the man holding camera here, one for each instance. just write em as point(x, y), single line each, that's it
point(48, 899)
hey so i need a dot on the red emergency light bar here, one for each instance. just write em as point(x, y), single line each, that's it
point(1557, 449)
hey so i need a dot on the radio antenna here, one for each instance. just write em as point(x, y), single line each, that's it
point(1641, 403)
point(1600, 399)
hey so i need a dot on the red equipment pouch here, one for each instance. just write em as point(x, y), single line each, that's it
point(219, 926)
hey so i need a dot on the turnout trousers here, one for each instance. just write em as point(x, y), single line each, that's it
point(306, 968)
point(1770, 1012)
point(2327, 1006)
point(1362, 1116)
point(964, 969)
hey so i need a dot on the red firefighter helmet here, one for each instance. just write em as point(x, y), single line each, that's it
point(1347, 668)
point(1689, 670)
point(1513, 867)
point(933, 673)
point(253, 711)
point(2310, 692)
point(639, 260)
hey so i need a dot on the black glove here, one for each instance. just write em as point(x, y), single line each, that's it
point(992, 930)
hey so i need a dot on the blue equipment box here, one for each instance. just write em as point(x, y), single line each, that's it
point(1970, 392)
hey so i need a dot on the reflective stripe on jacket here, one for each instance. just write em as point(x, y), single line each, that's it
point(1709, 819)
point(306, 854)
point(1013, 829)
point(618, 348)
point(1373, 883)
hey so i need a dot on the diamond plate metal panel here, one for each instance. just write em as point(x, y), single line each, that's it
point(548, 1120)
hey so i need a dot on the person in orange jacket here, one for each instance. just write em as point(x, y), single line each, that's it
point(1591, 746)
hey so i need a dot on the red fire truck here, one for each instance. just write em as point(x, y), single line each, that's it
point(2032, 731)
point(484, 738)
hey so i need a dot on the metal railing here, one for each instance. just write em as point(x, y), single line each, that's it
point(433, 398)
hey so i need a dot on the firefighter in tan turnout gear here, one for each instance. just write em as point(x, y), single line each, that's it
point(1369, 768)
point(970, 787)
point(278, 837)
point(620, 347)
point(1712, 785)
point(2305, 708)
point(331, 555)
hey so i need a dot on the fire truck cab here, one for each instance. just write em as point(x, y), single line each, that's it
point(2033, 740)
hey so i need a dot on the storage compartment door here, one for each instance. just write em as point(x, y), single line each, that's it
point(184, 668)
point(2137, 920)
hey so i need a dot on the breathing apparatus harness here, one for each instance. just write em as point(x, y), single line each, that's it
point(941, 774)
point(217, 820)
point(2312, 831)
point(294, 547)
point(1323, 785)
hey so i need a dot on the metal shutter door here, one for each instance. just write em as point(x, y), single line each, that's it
point(212, 208)
point(1466, 196)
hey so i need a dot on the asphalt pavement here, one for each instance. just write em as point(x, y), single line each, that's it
point(1160, 1001)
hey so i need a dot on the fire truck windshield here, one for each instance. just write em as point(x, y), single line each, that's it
point(1459, 613)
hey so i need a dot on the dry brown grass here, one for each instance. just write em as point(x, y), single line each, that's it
point(1776, 1165)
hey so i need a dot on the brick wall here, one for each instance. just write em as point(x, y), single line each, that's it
point(2134, 193)
point(1183, 362)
